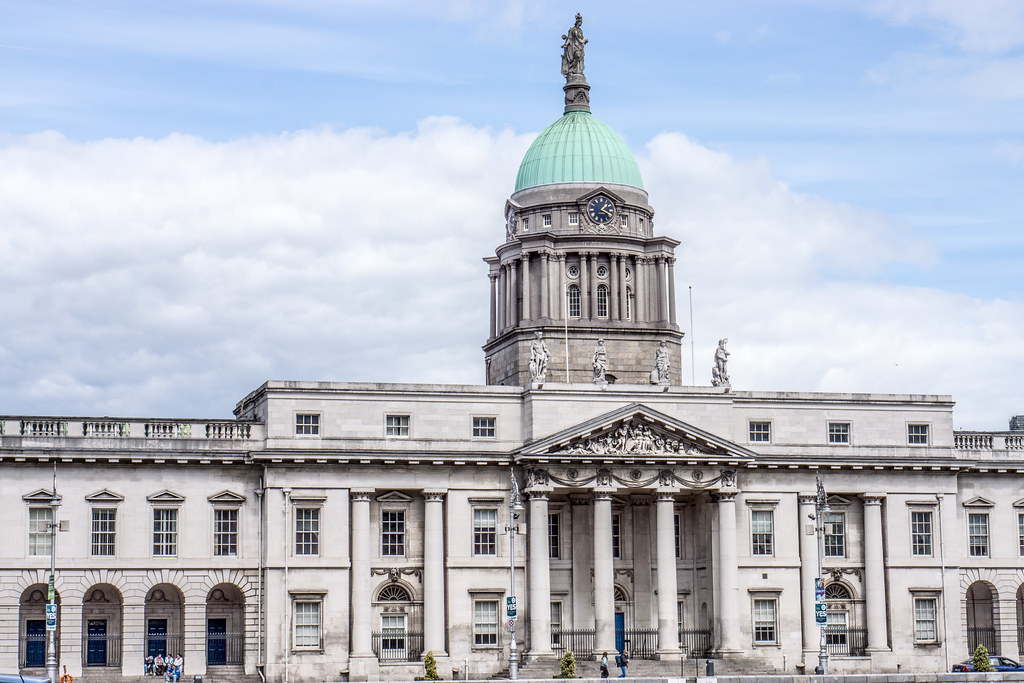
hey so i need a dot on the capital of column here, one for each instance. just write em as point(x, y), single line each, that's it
point(670, 260)
point(537, 494)
point(362, 494)
point(544, 254)
point(666, 495)
point(602, 495)
point(434, 495)
point(872, 498)
point(724, 496)
point(560, 256)
point(807, 498)
point(493, 275)
point(660, 259)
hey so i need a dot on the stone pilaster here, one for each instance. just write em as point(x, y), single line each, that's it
point(433, 573)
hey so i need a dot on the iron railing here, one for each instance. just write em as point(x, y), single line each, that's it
point(33, 650)
point(225, 649)
point(642, 643)
point(165, 644)
point(397, 645)
point(695, 643)
point(842, 641)
point(579, 641)
point(982, 635)
point(101, 650)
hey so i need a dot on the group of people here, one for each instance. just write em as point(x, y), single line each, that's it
point(621, 661)
point(171, 668)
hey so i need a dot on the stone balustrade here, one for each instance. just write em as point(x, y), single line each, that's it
point(47, 429)
point(989, 442)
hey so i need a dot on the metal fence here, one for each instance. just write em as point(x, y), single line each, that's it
point(579, 641)
point(397, 645)
point(846, 642)
point(696, 644)
point(102, 650)
point(982, 635)
point(642, 643)
point(33, 650)
point(163, 644)
point(225, 649)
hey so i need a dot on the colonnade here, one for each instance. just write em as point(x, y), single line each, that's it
point(530, 287)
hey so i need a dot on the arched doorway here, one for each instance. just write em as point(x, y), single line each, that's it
point(400, 637)
point(32, 627)
point(225, 626)
point(101, 626)
point(981, 626)
point(165, 619)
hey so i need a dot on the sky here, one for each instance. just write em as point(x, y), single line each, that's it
point(196, 197)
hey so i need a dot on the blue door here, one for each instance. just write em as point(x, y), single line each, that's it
point(620, 631)
point(35, 643)
point(216, 641)
point(156, 637)
point(96, 644)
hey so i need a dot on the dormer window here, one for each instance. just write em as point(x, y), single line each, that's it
point(547, 220)
point(574, 218)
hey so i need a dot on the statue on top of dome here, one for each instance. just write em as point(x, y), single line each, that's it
point(572, 49)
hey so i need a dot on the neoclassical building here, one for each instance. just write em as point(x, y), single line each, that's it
point(339, 531)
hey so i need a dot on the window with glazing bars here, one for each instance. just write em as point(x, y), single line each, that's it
point(762, 532)
point(554, 535)
point(485, 622)
point(484, 427)
point(977, 532)
point(485, 531)
point(616, 536)
point(225, 532)
point(103, 531)
point(165, 531)
point(925, 620)
point(677, 522)
point(39, 538)
point(307, 424)
point(835, 534)
point(1020, 532)
point(392, 532)
point(839, 433)
point(602, 301)
point(764, 621)
point(573, 295)
point(396, 425)
point(307, 625)
point(921, 532)
point(307, 531)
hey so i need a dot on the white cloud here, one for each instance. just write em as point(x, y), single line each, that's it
point(172, 276)
point(984, 26)
point(991, 78)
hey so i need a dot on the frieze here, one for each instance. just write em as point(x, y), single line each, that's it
point(836, 573)
point(633, 438)
point(395, 573)
point(635, 478)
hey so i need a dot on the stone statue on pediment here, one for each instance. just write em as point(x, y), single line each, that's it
point(719, 373)
point(600, 362)
point(572, 49)
point(662, 366)
point(539, 357)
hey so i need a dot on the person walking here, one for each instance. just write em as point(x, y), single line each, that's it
point(622, 661)
point(604, 665)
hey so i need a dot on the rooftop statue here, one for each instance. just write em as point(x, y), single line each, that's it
point(719, 373)
point(600, 363)
point(539, 357)
point(572, 49)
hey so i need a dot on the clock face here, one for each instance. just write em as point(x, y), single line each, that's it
point(601, 210)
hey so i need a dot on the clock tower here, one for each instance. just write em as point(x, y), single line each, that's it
point(581, 262)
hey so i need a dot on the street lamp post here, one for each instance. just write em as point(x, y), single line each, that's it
point(515, 510)
point(821, 508)
point(51, 617)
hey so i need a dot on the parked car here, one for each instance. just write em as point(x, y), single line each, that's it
point(997, 664)
point(18, 678)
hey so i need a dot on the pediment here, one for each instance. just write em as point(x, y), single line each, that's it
point(39, 496)
point(1019, 503)
point(614, 196)
point(104, 496)
point(839, 501)
point(394, 497)
point(166, 496)
point(978, 502)
point(226, 497)
point(635, 431)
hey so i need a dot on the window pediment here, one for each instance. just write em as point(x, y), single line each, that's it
point(978, 502)
point(839, 501)
point(104, 496)
point(167, 497)
point(39, 496)
point(394, 497)
point(226, 497)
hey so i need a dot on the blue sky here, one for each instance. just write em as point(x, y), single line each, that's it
point(875, 149)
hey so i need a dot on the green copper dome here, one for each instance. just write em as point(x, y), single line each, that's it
point(578, 148)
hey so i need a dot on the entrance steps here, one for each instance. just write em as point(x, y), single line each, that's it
point(220, 675)
point(547, 668)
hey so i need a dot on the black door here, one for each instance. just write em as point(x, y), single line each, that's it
point(35, 643)
point(96, 645)
point(216, 641)
point(156, 637)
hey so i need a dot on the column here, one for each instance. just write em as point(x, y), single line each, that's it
point(513, 300)
point(671, 290)
point(874, 573)
point(360, 598)
point(539, 579)
point(639, 291)
point(808, 573)
point(728, 573)
point(623, 286)
point(561, 287)
point(502, 298)
point(433, 573)
point(668, 611)
point(582, 560)
point(494, 303)
point(613, 287)
point(604, 574)
point(593, 285)
point(527, 308)
point(642, 539)
point(545, 285)
point(584, 288)
point(662, 290)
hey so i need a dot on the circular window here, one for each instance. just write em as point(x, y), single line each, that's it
point(574, 272)
point(629, 274)
point(602, 271)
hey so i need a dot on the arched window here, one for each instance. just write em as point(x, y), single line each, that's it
point(629, 303)
point(574, 301)
point(393, 592)
point(602, 301)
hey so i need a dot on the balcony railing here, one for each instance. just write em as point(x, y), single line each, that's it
point(579, 641)
point(397, 645)
point(695, 643)
point(846, 642)
point(101, 650)
point(989, 442)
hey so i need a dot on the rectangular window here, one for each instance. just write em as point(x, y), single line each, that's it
point(526, 224)
point(921, 532)
point(103, 531)
point(165, 531)
point(485, 531)
point(573, 295)
point(602, 301)
point(39, 539)
point(616, 536)
point(556, 623)
point(547, 220)
point(1020, 532)
point(677, 522)
point(225, 532)
point(764, 621)
point(307, 531)
point(762, 533)
point(641, 224)
point(925, 620)
point(760, 432)
point(835, 534)
point(485, 622)
point(307, 625)
point(554, 535)
point(574, 218)
point(307, 424)
point(839, 433)
point(484, 427)
point(392, 533)
point(917, 435)
point(622, 221)
point(396, 425)
point(392, 640)
point(977, 532)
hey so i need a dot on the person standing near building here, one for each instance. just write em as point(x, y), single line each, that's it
point(622, 661)
point(604, 665)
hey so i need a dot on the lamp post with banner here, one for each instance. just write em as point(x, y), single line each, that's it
point(515, 510)
point(821, 509)
point(51, 603)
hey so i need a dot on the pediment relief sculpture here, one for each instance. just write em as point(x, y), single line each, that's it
point(633, 438)
point(633, 478)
